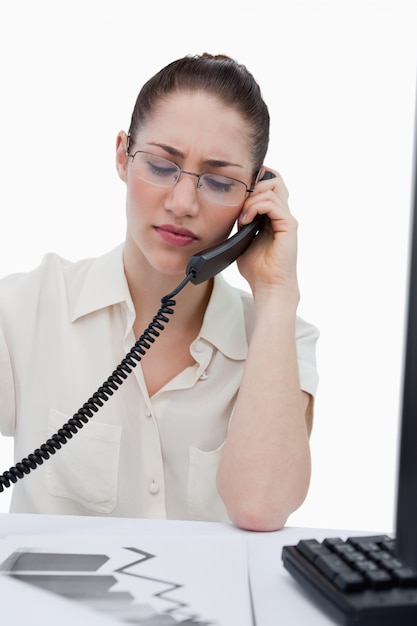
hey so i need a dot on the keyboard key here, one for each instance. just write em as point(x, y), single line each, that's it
point(345, 550)
point(355, 556)
point(368, 544)
point(333, 542)
point(378, 579)
point(405, 577)
point(331, 566)
point(392, 564)
point(366, 566)
point(350, 581)
point(382, 556)
point(388, 544)
point(312, 549)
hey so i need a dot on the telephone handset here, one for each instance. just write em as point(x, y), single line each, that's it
point(200, 267)
point(210, 262)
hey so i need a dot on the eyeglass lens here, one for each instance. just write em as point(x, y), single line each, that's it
point(164, 173)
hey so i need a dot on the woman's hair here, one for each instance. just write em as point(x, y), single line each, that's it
point(219, 76)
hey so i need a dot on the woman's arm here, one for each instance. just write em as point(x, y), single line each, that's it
point(264, 472)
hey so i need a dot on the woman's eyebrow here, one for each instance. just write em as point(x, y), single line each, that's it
point(220, 163)
point(208, 162)
point(169, 149)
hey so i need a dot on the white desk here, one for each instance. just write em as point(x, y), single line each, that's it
point(278, 600)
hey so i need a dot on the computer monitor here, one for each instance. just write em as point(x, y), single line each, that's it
point(406, 520)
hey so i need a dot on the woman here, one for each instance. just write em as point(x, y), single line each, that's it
point(214, 423)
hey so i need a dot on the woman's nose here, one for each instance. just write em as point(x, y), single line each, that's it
point(182, 198)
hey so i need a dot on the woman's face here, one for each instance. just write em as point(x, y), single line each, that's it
point(166, 226)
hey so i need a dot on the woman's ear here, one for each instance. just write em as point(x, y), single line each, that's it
point(121, 155)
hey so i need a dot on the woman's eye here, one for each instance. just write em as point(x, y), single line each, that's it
point(219, 183)
point(159, 168)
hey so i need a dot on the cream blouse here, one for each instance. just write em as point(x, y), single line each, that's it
point(64, 328)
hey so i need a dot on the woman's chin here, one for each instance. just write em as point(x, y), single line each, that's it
point(170, 270)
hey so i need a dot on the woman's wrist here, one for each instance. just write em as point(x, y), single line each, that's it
point(276, 296)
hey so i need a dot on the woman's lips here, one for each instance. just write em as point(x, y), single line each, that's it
point(175, 235)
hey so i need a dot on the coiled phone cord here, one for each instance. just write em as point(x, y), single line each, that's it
point(103, 393)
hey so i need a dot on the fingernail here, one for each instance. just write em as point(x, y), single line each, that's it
point(242, 218)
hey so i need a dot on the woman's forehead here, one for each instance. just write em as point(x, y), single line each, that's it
point(185, 118)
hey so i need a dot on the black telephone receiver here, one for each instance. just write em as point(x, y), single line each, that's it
point(200, 267)
point(210, 262)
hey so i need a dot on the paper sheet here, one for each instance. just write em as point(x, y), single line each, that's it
point(146, 581)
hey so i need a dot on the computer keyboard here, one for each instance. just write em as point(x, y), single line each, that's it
point(358, 581)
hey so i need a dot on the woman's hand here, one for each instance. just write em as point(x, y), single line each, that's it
point(271, 259)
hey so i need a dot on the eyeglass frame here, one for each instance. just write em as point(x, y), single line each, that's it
point(181, 171)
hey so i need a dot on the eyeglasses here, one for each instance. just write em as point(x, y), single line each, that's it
point(213, 188)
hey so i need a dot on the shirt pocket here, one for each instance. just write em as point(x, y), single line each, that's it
point(86, 468)
point(204, 502)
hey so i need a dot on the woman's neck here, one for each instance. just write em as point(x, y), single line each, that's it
point(148, 286)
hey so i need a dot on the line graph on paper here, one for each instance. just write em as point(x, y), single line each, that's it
point(159, 581)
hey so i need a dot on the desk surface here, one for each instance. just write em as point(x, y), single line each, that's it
point(276, 596)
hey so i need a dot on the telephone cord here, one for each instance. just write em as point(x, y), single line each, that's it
point(103, 393)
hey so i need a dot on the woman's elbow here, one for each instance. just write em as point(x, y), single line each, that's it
point(259, 517)
point(260, 513)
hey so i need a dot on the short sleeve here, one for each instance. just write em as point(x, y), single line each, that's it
point(306, 340)
point(7, 396)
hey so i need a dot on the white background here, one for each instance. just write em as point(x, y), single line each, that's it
point(339, 79)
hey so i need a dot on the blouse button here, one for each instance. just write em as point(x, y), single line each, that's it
point(154, 488)
point(148, 413)
point(199, 346)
